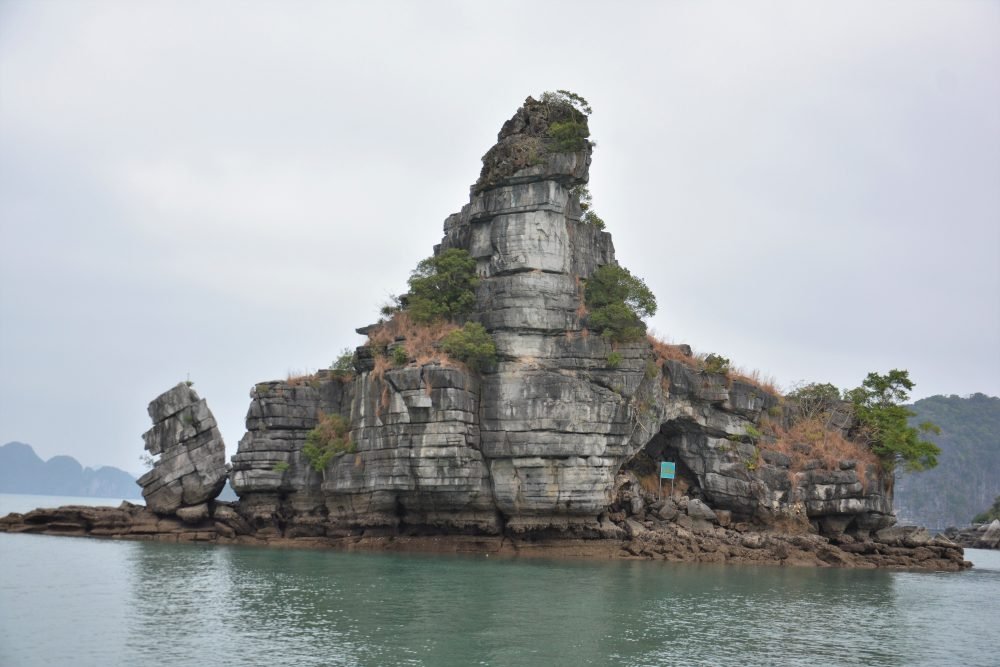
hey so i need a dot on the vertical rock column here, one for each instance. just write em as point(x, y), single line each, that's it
point(555, 420)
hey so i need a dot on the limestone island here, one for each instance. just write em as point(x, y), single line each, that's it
point(512, 404)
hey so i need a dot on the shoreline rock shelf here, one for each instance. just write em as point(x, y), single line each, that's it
point(550, 450)
point(976, 536)
point(686, 537)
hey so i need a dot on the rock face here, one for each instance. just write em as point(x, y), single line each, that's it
point(192, 467)
point(538, 444)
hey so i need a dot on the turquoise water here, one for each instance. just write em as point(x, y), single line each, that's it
point(71, 601)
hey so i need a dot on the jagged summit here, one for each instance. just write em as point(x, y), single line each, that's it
point(526, 148)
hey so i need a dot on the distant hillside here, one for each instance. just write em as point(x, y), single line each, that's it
point(967, 478)
point(22, 471)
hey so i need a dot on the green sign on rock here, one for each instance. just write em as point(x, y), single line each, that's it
point(667, 469)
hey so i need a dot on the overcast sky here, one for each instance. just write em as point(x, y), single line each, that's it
point(225, 191)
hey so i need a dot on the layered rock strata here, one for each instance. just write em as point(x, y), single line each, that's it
point(191, 469)
point(535, 444)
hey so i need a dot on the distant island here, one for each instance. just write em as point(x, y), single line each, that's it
point(965, 482)
point(23, 471)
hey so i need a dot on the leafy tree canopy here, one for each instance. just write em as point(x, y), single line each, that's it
point(618, 301)
point(882, 421)
point(443, 286)
point(815, 399)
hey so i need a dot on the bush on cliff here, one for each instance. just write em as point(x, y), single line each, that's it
point(590, 217)
point(442, 287)
point(332, 436)
point(882, 422)
point(471, 345)
point(568, 129)
point(617, 302)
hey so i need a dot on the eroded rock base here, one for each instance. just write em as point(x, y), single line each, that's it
point(681, 539)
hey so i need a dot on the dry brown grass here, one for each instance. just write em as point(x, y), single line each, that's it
point(297, 378)
point(763, 382)
point(809, 439)
point(664, 351)
point(650, 484)
point(419, 341)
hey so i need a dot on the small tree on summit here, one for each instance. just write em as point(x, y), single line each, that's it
point(568, 129)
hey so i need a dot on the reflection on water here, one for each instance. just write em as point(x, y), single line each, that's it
point(72, 601)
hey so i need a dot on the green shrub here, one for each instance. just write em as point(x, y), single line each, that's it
point(652, 370)
point(399, 356)
point(344, 364)
point(443, 286)
point(582, 193)
point(471, 345)
point(569, 135)
point(715, 363)
point(614, 360)
point(618, 301)
point(332, 436)
point(568, 130)
point(281, 466)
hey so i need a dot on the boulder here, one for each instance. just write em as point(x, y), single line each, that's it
point(191, 468)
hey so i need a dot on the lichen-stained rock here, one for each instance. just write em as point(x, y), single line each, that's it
point(192, 465)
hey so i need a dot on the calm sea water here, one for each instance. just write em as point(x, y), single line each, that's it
point(70, 601)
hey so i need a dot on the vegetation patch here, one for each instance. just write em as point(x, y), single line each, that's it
point(442, 287)
point(472, 345)
point(342, 367)
point(332, 436)
point(617, 302)
point(586, 201)
point(568, 130)
point(883, 422)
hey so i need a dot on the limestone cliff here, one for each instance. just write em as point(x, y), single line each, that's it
point(558, 435)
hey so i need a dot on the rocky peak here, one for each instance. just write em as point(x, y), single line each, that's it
point(543, 139)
